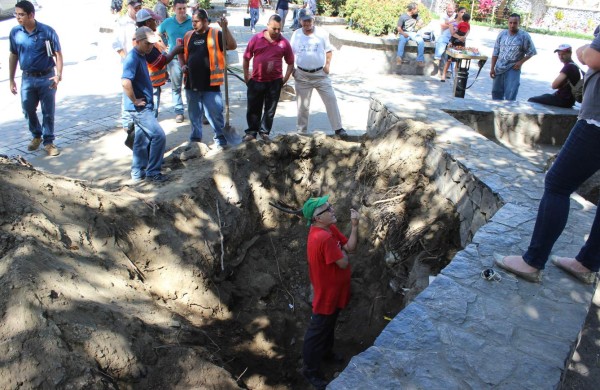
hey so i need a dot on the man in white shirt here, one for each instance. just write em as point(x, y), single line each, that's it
point(313, 53)
point(444, 37)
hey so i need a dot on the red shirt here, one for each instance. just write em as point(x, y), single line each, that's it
point(267, 64)
point(331, 283)
point(254, 3)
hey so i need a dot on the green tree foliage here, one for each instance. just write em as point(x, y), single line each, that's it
point(379, 17)
point(331, 7)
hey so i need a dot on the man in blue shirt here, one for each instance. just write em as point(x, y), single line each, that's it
point(150, 139)
point(36, 48)
point(175, 28)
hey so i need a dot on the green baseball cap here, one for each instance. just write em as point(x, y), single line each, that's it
point(311, 205)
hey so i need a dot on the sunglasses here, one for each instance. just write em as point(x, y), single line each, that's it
point(330, 209)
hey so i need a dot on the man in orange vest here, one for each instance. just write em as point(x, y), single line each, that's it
point(158, 58)
point(203, 63)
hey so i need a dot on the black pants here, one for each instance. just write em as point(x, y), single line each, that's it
point(552, 100)
point(318, 341)
point(262, 95)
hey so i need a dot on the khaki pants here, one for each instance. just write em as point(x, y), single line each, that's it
point(305, 83)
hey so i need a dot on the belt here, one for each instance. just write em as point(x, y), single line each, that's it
point(310, 70)
point(38, 74)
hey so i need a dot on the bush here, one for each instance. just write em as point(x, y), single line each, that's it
point(331, 7)
point(379, 17)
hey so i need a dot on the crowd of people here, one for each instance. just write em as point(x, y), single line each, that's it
point(190, 52)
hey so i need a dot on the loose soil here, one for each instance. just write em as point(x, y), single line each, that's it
point(199, 283)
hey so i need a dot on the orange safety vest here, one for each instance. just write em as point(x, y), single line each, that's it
point(216, 59)
point(158, 76)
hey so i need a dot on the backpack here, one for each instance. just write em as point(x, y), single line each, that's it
point(577, 88)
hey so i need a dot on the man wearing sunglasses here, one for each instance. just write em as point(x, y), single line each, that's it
point(329, 272)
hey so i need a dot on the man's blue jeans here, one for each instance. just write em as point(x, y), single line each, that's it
point(209, 104)
point(412, 36)
point(149, 145)
point(176, 76)
point(253, 17)
point(36, 90)
point(578, 159)
point(440, 46)
point(506, 85)
point(283, 14)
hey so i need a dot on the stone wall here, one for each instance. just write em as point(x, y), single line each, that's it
point(474, 201)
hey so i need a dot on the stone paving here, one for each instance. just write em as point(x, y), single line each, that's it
point(461, 332)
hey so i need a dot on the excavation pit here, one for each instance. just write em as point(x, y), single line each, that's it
point(200, 282)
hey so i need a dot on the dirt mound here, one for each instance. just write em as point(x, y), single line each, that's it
point(199, 283)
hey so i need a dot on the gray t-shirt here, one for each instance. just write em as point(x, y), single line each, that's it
point(408, 23)
point(590, 107)
point(511, 49)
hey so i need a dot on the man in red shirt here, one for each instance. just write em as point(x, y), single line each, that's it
point(267, 49)
point(329, 272)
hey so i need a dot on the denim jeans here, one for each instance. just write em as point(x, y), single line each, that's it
point(36, 90)
point(551, 99)
point(578, 159)
point(176, 76)
point(506, 85)
point(149, 144)
point(156, 91)
point(209, 104)
point(412, 36)
point(262, 94)
point(283, 14)
point(440, 47)
point(318, 341)
point(253, 17)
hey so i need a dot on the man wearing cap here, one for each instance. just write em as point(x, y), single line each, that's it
point(313, 52)
point(35, 46)
point(329, 271)
point(512, 49)
point(149, 145)
point(123, 44)
point(203, 63)
point(267, 49)
point(175, 28)
point(569, 75)
point(158, 58)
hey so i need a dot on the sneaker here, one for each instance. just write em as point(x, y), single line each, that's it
point(341, 133)
point(249, 137)
point(52, 150)
point(398, 60)
point(264, 136)
point(179, 118)
point(159, 178)
point(253, 31)
point(34, 144)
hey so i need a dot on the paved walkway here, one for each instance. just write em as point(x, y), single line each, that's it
point(88, 101)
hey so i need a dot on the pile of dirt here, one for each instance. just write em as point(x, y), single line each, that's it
point(199, 283)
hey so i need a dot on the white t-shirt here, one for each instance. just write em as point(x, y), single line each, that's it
point(310, 50)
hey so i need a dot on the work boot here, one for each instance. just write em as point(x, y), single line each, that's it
point(52, 150)
point(34, 144)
